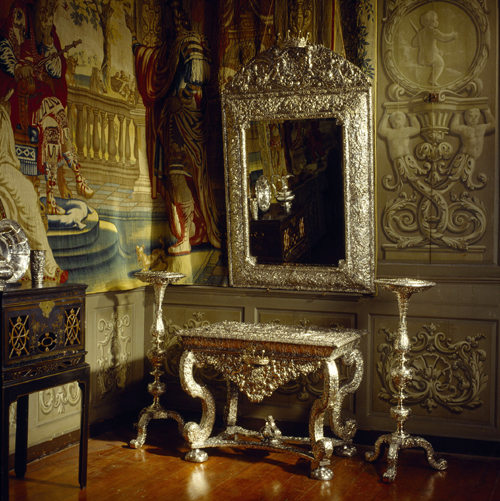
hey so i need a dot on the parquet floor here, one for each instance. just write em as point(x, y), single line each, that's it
point(157, 471)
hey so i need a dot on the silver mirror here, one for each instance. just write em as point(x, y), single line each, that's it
point(297, 124)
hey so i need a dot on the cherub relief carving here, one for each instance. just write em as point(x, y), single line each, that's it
point(398, 140)
point(426, 40)
point(472, 135)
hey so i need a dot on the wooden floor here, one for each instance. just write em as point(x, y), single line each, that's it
point(157, 471)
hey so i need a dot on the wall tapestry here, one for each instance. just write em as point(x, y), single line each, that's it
point(110, 129)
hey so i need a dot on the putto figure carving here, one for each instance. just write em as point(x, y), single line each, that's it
point(472, 135)
point(426, 40)
point(398, 140)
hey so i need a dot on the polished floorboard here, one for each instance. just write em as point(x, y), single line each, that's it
point(157, 471)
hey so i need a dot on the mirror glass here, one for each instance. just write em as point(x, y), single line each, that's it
point(311, 152)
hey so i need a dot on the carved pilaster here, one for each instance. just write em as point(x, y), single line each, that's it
point(151, 23)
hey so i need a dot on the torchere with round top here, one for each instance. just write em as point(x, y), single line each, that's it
point(401, 375)
point(157, 354)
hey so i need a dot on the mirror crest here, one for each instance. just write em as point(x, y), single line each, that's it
point(294, 88)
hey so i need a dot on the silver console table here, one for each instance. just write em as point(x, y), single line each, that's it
point(256, 359)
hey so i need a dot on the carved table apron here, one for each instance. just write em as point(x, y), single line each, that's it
point(257, 359)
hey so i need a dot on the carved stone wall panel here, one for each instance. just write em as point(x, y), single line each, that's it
point(113, 353)
point(58, 403)
point(453, 362)
point(437, 160)
point(115, 344)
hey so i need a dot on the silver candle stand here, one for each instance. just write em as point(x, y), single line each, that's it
point(157, 355)
point(401, 376)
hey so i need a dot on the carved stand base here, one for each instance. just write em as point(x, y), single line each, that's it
point(256, 359)
point(146, 415)
point(398, 442)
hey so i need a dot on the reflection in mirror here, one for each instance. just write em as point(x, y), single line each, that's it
point(310, 230)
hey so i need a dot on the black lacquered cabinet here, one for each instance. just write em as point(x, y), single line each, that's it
point(43, 345)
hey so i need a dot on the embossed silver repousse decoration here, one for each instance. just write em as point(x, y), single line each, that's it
point(157, 354)
point(297, 80)
point(402, 375)
point(14, 252)
point(255, 359)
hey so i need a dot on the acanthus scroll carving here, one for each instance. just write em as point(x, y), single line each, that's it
point(447, 374)
point(59, 398)
point(113, 364)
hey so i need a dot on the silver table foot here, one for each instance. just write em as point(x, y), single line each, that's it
point(322, 473)
point(345, 450)
point(196, 456)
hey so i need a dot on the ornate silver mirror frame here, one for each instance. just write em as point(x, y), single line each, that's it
point(297, 80)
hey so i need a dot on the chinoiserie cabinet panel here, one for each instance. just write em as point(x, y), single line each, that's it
point(43, 330)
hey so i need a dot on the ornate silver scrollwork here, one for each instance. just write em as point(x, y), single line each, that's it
point(255, 359)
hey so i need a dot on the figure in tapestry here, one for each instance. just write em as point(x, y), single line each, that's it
point(34, 89)
point(171, 80)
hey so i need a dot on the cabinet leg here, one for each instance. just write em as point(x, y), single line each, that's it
point(4, 476)
point(21, 436)
point(84, 431)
